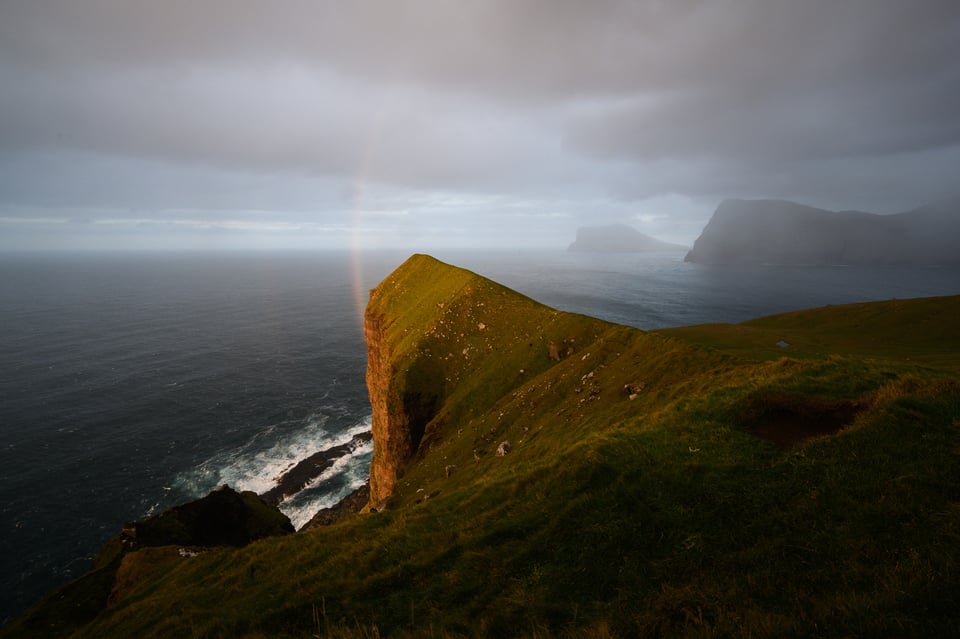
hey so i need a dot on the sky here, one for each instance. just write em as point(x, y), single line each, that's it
point(426, 123)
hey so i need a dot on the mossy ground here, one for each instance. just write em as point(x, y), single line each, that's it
point(657, 515)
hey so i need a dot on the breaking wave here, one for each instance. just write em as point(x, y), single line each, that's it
point(259, 464)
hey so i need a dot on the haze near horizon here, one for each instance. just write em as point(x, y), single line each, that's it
point(426, 124)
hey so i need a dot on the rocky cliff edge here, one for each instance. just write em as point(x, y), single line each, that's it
point(443, 345)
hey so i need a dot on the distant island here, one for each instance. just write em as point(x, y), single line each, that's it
point(618, 238)
point(782, 232)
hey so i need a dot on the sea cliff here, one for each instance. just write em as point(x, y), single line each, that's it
point(544, 474)
point(781, 232)
point(443, 346)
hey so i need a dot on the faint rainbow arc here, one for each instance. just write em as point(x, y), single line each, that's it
point(368, 147)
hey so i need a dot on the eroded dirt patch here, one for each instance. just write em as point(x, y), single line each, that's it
point(787, 421)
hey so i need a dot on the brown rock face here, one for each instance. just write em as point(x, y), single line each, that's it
point(406, 376)
point(402, 406)
point(388, 441)
point(442, 344)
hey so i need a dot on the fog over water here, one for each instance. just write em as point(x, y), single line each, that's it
point(429, 124)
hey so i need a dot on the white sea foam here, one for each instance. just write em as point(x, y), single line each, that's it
point(337, 467)
point(353, 469)
point(258, 464)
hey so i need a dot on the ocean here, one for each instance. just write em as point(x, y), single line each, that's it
point(133, 382)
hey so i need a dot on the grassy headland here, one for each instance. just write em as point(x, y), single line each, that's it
point(649, 489)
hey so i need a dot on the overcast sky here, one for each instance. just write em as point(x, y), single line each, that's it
point(223, 123)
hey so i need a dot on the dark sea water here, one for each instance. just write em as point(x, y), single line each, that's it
point(129, 383)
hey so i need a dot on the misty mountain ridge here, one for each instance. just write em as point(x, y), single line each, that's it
point(618, 238)
point(783, 232)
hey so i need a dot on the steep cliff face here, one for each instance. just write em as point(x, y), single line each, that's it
point(444, 344)
point(410, 335)
point(222, 518)
point(780, 232)
point(551, 470)
point(394, 439)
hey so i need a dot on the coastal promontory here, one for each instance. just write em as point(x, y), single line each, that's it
point(782, 232)
point(443, 345)
point(538, 473)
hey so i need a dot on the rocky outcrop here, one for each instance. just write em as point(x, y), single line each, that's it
point(297, 478)
point(443, 343)
point(222, 518)
point(405, 377)
point(618, 238)
point(349, 505)
point(780, 232)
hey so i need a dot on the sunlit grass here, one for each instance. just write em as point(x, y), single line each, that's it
point(919, 331)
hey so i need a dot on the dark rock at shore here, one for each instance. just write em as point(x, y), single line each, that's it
point(222, 518)
point(295, 479)
point(349, 505)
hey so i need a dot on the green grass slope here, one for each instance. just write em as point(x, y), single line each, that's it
point(921, 331)
point(637, 498)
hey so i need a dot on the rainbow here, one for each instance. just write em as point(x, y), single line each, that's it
point(356, 241)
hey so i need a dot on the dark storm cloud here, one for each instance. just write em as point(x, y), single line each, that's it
point(506, 48)
point(776, 88)
point(585, 108)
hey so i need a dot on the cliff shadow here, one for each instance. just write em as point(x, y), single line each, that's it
point(422, 398)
